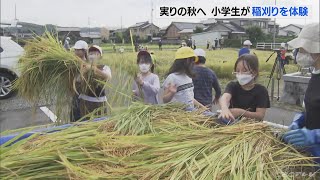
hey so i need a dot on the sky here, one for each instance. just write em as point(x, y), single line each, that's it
point(117, 13)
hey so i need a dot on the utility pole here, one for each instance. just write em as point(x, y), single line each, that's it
point(16, 22)
point(151, 21)
point(121, 23)
point(89, 25)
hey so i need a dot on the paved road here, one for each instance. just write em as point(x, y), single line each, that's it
point(22, 118)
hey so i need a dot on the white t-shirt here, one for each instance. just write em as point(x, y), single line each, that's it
point(185, 94)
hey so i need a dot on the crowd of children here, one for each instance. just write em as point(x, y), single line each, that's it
point(188, 82)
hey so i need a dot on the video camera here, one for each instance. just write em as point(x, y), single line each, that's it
point(278, 51)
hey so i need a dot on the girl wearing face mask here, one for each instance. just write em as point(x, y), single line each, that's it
point(244, 98)
point(95, 96)
point(178, 86)
point(146, 85)
point(304, 132)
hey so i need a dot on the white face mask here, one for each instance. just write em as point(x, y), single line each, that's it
point(305, 60)
point(144, 68)
point(244, 79)
point(93, 57)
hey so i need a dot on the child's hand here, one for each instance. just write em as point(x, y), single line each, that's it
point(172, 88)
point(139, 80)
point(86, 67)
point(226, 114)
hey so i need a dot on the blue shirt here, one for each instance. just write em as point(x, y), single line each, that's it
point(204, 81)
point(244, 51)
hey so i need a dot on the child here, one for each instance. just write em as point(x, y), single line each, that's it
point(178, 86)
point(93, 96)
point(146, 81)
point(245, 98)
point(80, 50)
point(205, 81)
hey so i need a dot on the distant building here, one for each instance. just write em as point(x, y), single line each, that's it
point(92, 38)
point(263, 23)
point(202, 38)
point(181, 30)
point(144, 30)
point(72, 32)
point(228, 30)
point(272, 28)
point(113, 34)
point(290, 30)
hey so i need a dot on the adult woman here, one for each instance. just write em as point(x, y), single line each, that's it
point(305, 129)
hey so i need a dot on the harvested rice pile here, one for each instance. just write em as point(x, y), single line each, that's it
point(154, 142)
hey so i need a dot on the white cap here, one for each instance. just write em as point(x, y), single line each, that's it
point(308, 39)
point(200, 52)
point(67, 38)
point(80, 45)
point(283, 44)
point(247, 43)
point(96, 47)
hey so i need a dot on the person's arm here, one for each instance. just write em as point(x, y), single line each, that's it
point(169, 92)
point(152, 87)
point(217, 89)
point(224, 104)
point(101, 74)
point(96, 71)
point(258, 115)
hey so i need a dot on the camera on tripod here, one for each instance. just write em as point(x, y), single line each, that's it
point(278, 51)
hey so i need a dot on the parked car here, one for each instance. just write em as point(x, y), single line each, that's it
point(10, 53)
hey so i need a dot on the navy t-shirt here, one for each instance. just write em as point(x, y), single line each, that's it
point(204, 81)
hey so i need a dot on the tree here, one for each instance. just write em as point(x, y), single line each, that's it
point(255, 34)
point(119, 37)
point(198, 30)
point(104, 33)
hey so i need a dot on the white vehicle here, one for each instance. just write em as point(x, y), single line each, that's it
point(10, 53)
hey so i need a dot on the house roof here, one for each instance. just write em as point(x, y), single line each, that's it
point(187, 25)
point(139, 24)
point(209, 21)
point(142, 25)
point(296, 25)
point(229, 25)
point(92, 36)
point(186, 31)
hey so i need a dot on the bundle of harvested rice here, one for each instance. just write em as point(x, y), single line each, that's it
point(141, 119)
point(48, 72)
point(180, 149)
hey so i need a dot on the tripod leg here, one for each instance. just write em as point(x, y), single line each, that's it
point(272, 72)
point(278, 90)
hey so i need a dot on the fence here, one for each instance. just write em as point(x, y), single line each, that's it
point(271, 46)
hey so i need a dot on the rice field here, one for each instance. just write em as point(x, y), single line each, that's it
point(220, 61)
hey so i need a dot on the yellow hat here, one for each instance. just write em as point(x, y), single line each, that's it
point(186, 52)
